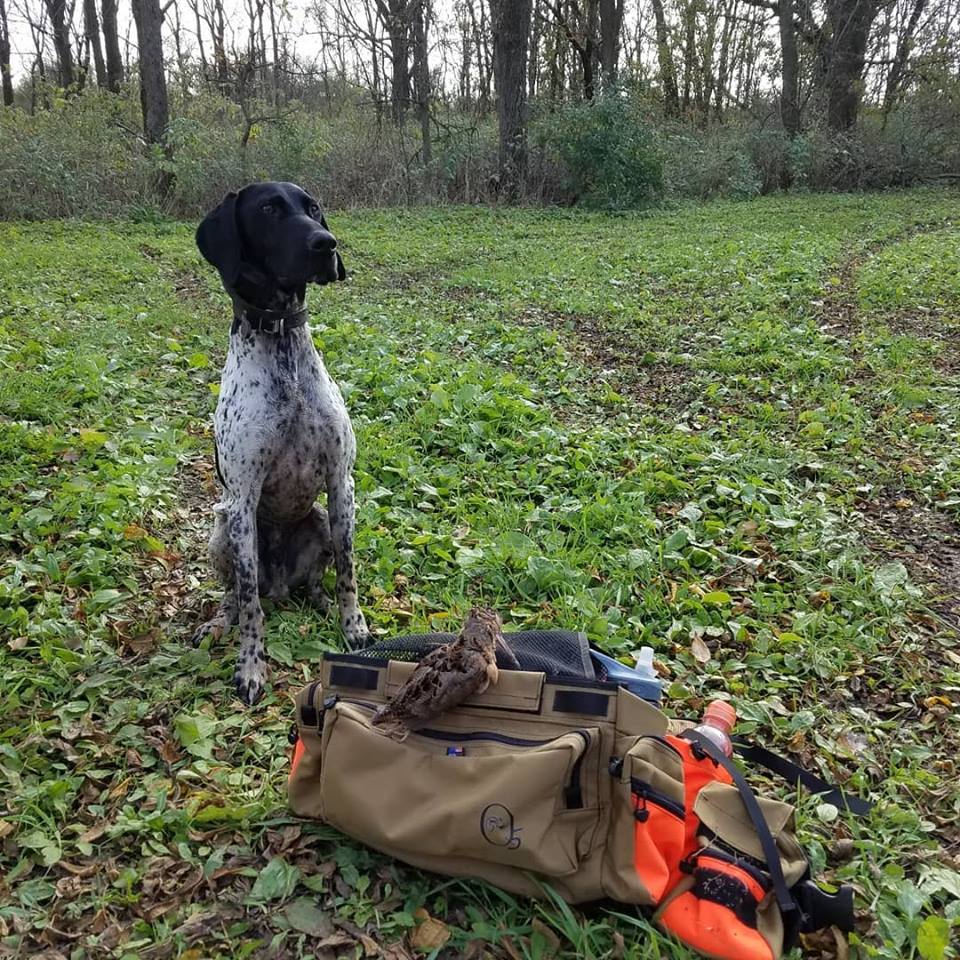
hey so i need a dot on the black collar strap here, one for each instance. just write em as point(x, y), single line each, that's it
point(274, 322)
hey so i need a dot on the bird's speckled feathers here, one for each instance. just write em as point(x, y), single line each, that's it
point(447, 676)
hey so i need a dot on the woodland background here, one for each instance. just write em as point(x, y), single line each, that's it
point(159, 109)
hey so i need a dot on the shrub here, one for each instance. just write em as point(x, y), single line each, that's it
point(609, 150)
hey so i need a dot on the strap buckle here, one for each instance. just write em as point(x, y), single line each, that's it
point(276, 328)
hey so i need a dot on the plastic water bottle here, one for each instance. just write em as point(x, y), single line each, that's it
point(717, 725)
point(644, 663)
point(641, 679)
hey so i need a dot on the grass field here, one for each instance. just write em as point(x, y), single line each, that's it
point(728, 431)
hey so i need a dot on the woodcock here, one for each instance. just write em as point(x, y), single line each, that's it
point(447, 676)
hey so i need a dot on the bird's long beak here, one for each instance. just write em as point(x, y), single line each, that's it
point(509, 657)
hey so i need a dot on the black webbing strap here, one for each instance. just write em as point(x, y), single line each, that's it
point(794, 774)
point(788, 906)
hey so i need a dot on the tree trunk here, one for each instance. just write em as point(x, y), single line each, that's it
point(56, 9)
point(91, 28)
point(689, 49)
point(421, 71)
point(536, 32)
point(668, 75)
point(790, 71)
point(847, 29)
point(510, 22)
point(276, 58)
point(611, 20)
point(6, 80)
point(153, 81)
point(111, 42)
point(396, 17)
point(898, 68)
point(723, 70)
point(589, 54)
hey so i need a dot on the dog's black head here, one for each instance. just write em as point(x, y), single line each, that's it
point(269, 241)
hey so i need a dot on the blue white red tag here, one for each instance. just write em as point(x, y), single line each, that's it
point(455, 751)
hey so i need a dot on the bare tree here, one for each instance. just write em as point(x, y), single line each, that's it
point(6, 79)
point(898, 67)
point(396, 16)
point(789, 70)
point(91, 28)
point(421, 74)
point(668, 73)
point(111, 43)
point(611, 22)
point(60, 25)
point(510, 23)
point(153, 81)
point(580, 26)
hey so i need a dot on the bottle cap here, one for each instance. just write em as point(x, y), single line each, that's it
point(722, 712)
point(644, 662)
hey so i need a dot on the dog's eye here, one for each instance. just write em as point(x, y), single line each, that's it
point(314, 209)
point(268, 208)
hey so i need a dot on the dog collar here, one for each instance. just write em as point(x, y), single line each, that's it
point(273, 322)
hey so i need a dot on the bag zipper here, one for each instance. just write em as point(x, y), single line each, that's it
point(646, 792)
point(573, 792)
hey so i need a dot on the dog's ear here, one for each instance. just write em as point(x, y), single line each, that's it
point(218, 239)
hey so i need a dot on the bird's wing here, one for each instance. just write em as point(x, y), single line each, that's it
point(468, 676)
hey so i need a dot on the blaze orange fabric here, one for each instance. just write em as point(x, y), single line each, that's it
point(297, 754)
point(713, 929)
point(697, 773)
point(658, 846)
point(721, 866)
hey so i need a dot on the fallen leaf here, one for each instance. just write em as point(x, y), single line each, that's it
point(840, 938)
point(69, 887)
point(699, 649)
point(841, 851)
point(94, 833)
point(509, 946)
point(79, 869)
point(334, 941)
point(306, 917)
point(549, 936)
point(619, 945)
point(429, 934)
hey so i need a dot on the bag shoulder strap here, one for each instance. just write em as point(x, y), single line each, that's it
point(788, 906)
point(794, 774)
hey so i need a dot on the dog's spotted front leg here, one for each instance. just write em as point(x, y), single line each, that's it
point(251, 671)
point(340, 509)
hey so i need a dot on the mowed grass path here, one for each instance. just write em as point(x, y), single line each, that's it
point(729, 431)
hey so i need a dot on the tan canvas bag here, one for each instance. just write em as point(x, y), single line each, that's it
point(580, 785)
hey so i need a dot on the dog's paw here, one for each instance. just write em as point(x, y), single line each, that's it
point(356, 633)
point(249, 679)
point(212, 628)
point(317, 598)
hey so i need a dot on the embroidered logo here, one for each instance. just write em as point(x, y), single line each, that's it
point(497, 827)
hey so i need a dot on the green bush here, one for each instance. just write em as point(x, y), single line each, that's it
point(84, 156)
point(608, 149)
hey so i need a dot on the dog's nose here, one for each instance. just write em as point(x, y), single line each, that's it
point(323, 242)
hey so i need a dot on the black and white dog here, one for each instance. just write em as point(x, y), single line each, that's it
point(282, 431)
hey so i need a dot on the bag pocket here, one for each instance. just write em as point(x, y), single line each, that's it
point(523, 802)
point(647, 834)
point(305, 764)
point(724, 909)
